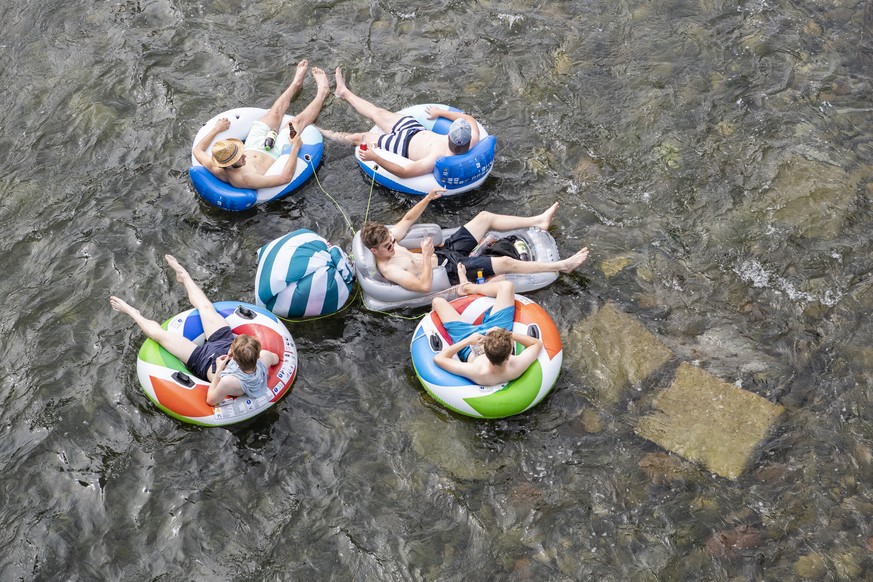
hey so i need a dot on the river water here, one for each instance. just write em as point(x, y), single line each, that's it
point(722, 151)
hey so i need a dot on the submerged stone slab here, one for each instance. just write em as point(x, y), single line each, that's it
point(612, 351)
point(450, 445)
point(710, 421)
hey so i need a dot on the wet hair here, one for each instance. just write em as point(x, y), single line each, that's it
point(498, 345)
point(373, 234)
point(246, 350)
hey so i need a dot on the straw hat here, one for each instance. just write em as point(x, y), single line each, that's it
point(227, 152)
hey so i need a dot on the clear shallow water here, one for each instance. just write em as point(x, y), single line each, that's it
point(723, 149)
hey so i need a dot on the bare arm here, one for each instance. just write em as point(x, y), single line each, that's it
point(269, 358)
point(445, 359)
point(420, 283)
point(200, 152)
point(256, 181)
point(434, 112)
point(532, 349)
point(401, 229)
point(410, 170)
point(220, 388)
point(526, 340)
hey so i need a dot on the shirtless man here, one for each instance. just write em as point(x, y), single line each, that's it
point(233, 365)
point(485, 359)
point(405, 136)
point(243, 165)
point(414, 271)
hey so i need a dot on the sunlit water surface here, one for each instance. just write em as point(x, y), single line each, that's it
point(719, 151)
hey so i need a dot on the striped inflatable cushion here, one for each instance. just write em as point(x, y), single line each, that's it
point(302, 275)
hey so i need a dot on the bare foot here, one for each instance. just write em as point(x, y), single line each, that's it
point(321, 80)
point(302, 66)
point(342, 137)
point(545, 219)
point(122, 306)
point(463, 282)
point(341, 90)
point(462, 274)
point(181, 273)
point(574, 262)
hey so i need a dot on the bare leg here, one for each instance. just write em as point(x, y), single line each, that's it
point(308, 115)
point(505, 295)
point(176, 344)
point(485, 221)
point(382, 117)
point(444, 310)
point(510, 265)
point(348, 138)
point(274, 115)
point(210, 318)
point(490, 289)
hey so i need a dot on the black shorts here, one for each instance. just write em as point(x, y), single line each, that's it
point(457, 249)
point(203, 357)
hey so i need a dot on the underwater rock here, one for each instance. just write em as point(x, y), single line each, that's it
point(586, 169)
point(613, 266)
point(810, 567)
point(663, 468)
point(448, 445)
point(729, 545)
point(591, 421)
point(809, 196)
point(707, 420)
point(613, 351)
point(847, 564)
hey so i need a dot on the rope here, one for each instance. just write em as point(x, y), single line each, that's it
point(308, 319)
point(394, 315)
point(370, 197)
point(352, 229)
point(317, 181)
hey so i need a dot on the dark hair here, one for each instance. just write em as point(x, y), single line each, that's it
point(246, 350)
point(498, 345)
point(459, 149)
point(373, 234)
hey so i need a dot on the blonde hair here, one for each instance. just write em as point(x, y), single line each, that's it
point(246, 350)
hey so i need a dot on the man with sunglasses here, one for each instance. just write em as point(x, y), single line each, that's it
point(414, 271)
point(244, 165)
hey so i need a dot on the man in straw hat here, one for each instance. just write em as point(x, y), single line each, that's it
point(244, 165)
point(405, 136)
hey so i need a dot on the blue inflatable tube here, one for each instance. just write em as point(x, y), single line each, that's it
point(227, 197)
point(457, 174)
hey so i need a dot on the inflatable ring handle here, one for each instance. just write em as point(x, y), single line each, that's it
point(436, 342)
point(533, 330)
point(183, 379)
point(245, 312)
